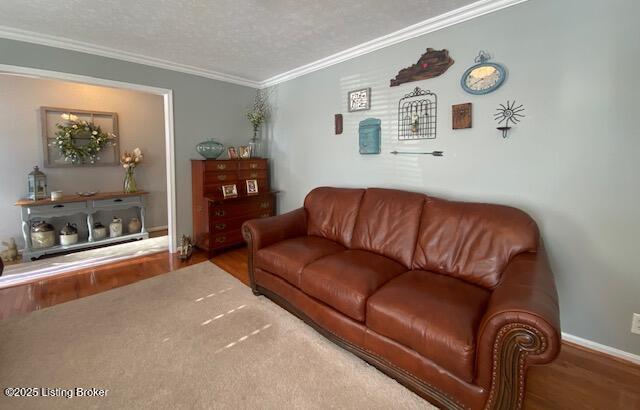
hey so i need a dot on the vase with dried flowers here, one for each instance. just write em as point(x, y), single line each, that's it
point(258, 115)
point(130, 161)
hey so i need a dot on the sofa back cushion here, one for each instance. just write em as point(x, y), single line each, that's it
point(332, 212)
point(472, 241)
point(388, 223)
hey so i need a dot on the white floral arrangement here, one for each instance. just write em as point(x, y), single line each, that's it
point(130, 160)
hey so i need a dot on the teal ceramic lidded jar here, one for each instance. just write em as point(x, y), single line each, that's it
point(210, 149)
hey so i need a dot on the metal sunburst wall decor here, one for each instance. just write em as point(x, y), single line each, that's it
point(509, 113)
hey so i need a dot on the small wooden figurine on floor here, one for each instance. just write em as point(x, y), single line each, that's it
point(185, 250)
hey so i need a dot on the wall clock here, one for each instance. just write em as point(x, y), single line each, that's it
point(484, 77)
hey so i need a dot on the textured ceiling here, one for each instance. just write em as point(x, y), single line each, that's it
point(253, 39)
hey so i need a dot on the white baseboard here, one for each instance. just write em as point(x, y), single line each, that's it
point(158, 228)
point(611, 351)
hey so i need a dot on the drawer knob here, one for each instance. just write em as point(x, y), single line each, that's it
point(222, 166)
point(58, 206)
point(220, 212)
point(221, 239)
point(117, 200)
point(264, 205)
point(222, 177)
point(253, 166)
point(221, 226)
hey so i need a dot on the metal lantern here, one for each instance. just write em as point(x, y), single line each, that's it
point(37, 182)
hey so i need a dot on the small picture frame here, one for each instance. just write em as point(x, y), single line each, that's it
point(245, 152)
point(232, 153)
point(252, 186)
point(359, 100)
point(229, 191)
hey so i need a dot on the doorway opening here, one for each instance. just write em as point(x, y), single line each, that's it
point(144, 118)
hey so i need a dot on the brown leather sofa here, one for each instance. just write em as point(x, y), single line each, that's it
point(455, 300)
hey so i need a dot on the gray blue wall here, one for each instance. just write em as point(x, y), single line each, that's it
point(572, 163)
point(202, 107)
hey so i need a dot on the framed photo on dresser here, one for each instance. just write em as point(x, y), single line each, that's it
point(252, 186)
point(245, 152)
point(229, 191)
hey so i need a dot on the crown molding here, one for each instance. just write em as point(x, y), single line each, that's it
point(462, 14)
point(468, 12)
point(83, 47)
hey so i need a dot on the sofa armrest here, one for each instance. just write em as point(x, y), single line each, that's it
point(520, 327)
point(260, 233)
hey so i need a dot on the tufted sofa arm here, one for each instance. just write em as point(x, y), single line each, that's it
point(520, 327)
point(260, 233)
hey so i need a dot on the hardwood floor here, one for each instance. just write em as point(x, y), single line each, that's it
point(578, 379)
point(583, 379)
point(39, 294)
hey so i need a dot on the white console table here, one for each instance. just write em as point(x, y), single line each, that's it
point(74, 205)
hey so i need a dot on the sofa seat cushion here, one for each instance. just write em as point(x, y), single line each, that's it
point(287, 258)
point(436, 315)
point(345, 280)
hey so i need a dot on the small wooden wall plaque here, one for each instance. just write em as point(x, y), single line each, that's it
point(338, 124)
point(461, 114)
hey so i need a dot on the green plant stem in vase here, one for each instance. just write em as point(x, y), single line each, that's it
point(254, 144)
point(130, 181)
point(258, 115)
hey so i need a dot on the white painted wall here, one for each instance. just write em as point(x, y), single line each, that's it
point(141, 124)
point(572, 163)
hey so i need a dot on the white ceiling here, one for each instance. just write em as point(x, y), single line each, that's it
point(250, 39)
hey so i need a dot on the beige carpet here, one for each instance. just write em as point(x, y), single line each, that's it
point(194, 338)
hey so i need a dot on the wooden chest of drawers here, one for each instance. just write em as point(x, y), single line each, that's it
point(217, 220)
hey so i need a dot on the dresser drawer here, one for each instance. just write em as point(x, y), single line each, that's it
point(231, 224)
point(252, 164)
point(125, 201)
point(221, 176)
point(229, 209)
point(252, 174)
point(220, 165)
point(225, 239)
point(53, 208)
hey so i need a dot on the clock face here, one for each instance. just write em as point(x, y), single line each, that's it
point(483, 78)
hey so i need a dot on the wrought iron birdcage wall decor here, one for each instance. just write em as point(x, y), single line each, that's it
point(417, 115)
